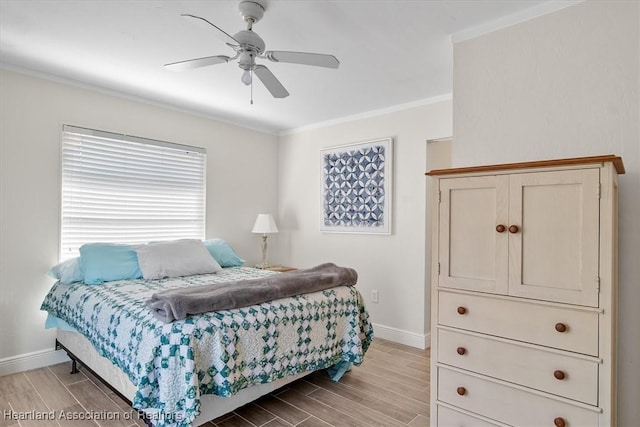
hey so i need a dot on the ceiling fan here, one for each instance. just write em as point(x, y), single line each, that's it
point(249, 46)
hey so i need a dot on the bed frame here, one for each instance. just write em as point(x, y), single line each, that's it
point(81, 351)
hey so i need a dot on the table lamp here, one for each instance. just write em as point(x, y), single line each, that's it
point(264, 225)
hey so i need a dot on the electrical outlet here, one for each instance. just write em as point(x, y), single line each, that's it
point(374, 296)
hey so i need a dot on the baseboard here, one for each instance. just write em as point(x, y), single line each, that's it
point(33, 360)
point(401, 336)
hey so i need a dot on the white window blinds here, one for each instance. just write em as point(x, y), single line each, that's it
point(124, 189)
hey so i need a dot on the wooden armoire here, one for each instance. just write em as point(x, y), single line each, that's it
point(523, 301)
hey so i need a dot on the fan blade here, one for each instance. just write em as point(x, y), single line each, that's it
point(226, 37)
point(270, 81)
point(305, 58)
point(197, 63)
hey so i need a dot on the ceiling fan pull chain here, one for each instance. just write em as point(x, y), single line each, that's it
point(251, 86)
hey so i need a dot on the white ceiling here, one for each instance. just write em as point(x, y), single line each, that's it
point(391, 52)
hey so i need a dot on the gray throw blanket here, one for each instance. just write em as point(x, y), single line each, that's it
point(177, 304)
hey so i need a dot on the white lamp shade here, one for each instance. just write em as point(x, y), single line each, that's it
point(264, 224)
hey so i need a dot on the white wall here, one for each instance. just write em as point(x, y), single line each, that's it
point(564, 85)
point(241, 182)
point(392, 264)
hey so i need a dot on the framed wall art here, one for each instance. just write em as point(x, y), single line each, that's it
point(356, 187)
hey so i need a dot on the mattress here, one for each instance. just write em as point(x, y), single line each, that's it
point(172, 365)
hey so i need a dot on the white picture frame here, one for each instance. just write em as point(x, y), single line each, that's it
point(356, 187)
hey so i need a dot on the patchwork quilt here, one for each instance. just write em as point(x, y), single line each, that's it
point(173, 364)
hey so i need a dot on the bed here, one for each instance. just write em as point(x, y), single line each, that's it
point(190, 371)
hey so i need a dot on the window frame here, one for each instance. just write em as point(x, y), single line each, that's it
point(153, 163)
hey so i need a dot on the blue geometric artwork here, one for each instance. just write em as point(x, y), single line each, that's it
point(355, 188)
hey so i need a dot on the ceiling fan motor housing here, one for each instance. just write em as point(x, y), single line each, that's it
point(251, 45)
point(250, 41)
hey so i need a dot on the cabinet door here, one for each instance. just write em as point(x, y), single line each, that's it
point(472, 254)
point(554, 253)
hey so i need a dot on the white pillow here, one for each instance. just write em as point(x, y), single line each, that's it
point(69, 271)
point(176, 258)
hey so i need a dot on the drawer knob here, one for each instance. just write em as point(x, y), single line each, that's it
point(561, 327)
point(461, 391)
point(559, 375)
point(461, 351)
point(513, 229)
point(500, 228)
point(559, 422)
point(462, 310)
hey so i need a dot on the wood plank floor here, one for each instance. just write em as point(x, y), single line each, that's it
point(390, 389)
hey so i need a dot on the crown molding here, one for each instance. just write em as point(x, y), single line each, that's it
point(134, 98)
point(369, 114)
point(513, 19)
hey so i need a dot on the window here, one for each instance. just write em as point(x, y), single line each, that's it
point(125, 189)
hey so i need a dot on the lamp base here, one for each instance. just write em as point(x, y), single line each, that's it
point(263, 263)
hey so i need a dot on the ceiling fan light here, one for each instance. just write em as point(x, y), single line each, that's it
point(246, 77)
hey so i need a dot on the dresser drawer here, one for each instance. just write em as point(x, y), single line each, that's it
point(522, 321)
point(558, 373)
point(448, 417)
point(507, 404)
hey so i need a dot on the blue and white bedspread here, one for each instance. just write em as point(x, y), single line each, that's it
point(173, 364)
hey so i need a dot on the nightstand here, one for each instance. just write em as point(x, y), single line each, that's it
point(280, 268)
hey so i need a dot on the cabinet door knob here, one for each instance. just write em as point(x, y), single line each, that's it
point(561, 327)
point(462, 310)
point(559, 422)
point(461, 391)
point(461, 351)
point(500, 228)
point(559, 375)
point(513, 229)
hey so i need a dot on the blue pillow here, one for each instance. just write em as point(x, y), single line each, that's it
point(67, 272)
point(104, 262)
point(223, 253)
